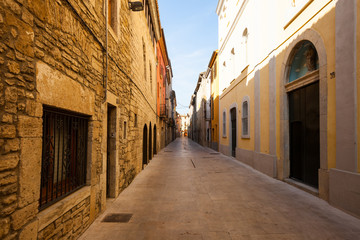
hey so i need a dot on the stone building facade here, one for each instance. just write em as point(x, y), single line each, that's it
point(77, 91)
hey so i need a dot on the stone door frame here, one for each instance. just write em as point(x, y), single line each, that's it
point(315, 38)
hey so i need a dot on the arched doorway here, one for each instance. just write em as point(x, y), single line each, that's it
point(233, 131)
point(154, 142)
point(304, 114)
point(150, 142)
point(145, 158)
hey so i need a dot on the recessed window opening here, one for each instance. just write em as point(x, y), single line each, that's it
point(245, 119)
point(63, 168)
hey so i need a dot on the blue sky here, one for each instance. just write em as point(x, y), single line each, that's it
point(191, 34)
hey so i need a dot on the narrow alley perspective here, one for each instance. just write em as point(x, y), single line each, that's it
point(179, 119)
point(191, 192)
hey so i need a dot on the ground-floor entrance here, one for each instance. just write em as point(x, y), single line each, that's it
point(304, 126)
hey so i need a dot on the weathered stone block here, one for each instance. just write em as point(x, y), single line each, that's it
point(27, 17)
point(23, 42)
point(67, 226)
point(7, 118)
point(77, 222)
point(23, 216)
point(47, 232)
point(8, 178)
point(7, 131)
point(30, 170)
point(21, 106)
point(29, 126)
point(12, 145)
point(8, 189)
point(5, 227)
point(11, 94)
point(10, 107)
point(10, 236)
point(8, 199)
point(29, 232)
point(13, 6)
point(6, 211)
point(9, 161)
point(34, 108)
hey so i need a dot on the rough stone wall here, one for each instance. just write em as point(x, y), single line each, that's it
point(69, 225)
point(67, 38)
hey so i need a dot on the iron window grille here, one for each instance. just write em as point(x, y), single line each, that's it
point(245, 122)
point(64, 150)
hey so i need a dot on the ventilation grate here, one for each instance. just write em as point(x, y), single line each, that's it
point(117, 217)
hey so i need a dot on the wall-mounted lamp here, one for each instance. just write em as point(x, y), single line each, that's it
point(136, 6)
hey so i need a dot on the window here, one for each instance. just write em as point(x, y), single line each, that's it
point(245, 118)
point(63, 168)
point(135, 120)
point(224, 124)
point(305, 60)
point(144, 58)
point(113, 16)
point(151, 88)
point(212, 108)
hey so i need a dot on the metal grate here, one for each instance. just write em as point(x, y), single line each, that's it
point(117, 217)
point(63, 168)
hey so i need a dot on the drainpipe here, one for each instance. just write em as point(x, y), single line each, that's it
point(106, 48)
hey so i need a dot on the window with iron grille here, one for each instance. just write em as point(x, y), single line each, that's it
point(224, 124)
point(64, 149)
point(245, 119)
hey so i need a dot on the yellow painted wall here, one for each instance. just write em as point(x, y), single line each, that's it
point(239, 90)
point(322, 26)
point(279, 148)
point(215, 94)
point(264, 109)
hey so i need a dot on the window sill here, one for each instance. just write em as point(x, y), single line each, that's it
point(58, 209)
point(245, 136)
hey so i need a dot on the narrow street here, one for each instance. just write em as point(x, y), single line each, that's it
point(191, 192)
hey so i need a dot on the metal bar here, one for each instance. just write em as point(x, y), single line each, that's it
point(63, 158)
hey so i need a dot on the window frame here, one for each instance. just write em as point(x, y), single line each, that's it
point(65, 138)
point(113, 18)
point(224, 135)
point(246, 100)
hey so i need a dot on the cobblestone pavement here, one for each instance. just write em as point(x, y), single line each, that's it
point(191, 192)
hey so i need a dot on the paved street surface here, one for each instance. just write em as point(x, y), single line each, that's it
point(191, 192)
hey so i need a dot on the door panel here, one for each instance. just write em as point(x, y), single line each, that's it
point(305, 134)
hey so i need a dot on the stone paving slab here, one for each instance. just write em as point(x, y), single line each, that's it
point(190, 192)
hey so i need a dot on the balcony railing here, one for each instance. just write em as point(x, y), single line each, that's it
point(163, 111)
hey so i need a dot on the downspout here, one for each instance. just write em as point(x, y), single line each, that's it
point(106, 48)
